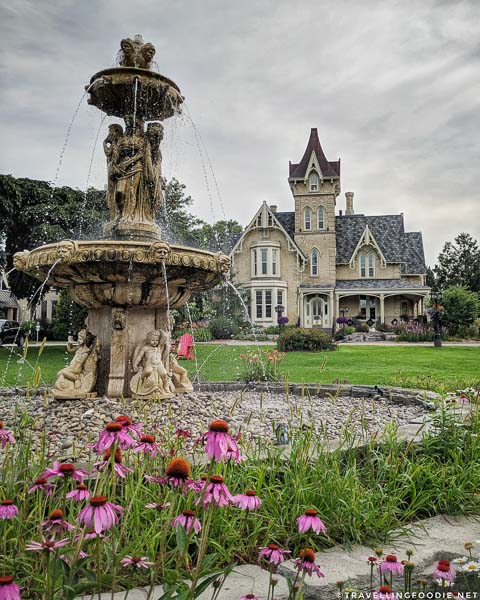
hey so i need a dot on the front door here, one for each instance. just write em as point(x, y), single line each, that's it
point(316, 312)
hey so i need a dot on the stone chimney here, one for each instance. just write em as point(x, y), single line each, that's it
point(349, 204)
point(273, 208)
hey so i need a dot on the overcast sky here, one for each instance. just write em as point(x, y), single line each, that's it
point(393, 88)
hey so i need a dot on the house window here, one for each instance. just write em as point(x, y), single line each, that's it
point(254, 262)
point(274, 261)
point(363, 307)
point(259, 303)
point(280, 297)
point(367, 265)
point(264, 252)
point(321, 218)
point(263, 304)
point(307, 219)
point(270, 220)
point(314, 263)
point(313, 181)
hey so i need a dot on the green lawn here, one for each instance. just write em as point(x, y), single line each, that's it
point(430, 368)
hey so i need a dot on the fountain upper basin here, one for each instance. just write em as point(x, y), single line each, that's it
point(125, 273)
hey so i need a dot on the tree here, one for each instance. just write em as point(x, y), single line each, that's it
point(33, 213)
point(69, 317)
point(459, 264)
point(460, 308)
point(176, 223)
point(219, 236)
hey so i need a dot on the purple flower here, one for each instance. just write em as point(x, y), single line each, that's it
point(176, 476)
point(250, 597)
point(6, 437)
point(306, 563)
point(46, 545)
point(444, 570)
point(148, 446)
point(188, 521)
point(217, 492)
point(220, 444)
point(310, 520)
point(9, 590)
point(384, 592)
point(56, 524)
point(129, 426)
point(118, 467)
point(114, 433)
point(100, 514)
point(80, 493)
point(8, 510)
point(274, 554)
point(247, 501)
point(158, 505)
point(42, 484)
point(65, 470)
point(136, 562)
point(391, 565)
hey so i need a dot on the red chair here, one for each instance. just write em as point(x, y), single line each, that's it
point(186, 346)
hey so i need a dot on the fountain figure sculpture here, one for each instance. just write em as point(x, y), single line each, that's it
point(131, 278)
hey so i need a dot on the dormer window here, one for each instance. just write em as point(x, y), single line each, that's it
point(367, 264)
point(307, 219)
point(314, 263)
point(321, 218)
point(313, 182)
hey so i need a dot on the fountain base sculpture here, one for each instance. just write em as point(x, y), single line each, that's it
point(130, 281)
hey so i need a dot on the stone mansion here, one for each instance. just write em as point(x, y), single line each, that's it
point(319, 265)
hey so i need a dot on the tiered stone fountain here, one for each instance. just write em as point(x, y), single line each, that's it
point(131, 279)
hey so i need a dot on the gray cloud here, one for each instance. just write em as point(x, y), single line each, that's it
point(393, 88)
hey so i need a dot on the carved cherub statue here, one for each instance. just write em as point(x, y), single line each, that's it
point(151, 377)
point(135, 53)
point(79, 378)
point(179, 374)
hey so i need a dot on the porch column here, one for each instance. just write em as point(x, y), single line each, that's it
point(382, 308)
point(330, 307)
point(415, 308)
point(300, 308)
point(337, 305)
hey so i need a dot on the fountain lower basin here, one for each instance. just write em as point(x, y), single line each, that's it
point(128, 287)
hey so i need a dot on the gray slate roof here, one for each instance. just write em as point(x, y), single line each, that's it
point(397, 245)
point(8, 299)
point(376, 284)
point(287, 221)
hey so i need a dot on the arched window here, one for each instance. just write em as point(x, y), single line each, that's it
point(321, 218)
point(314, 263)
point(313, 182)
point(367, 264)
point(307, 219)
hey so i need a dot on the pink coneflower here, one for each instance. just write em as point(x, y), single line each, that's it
point(384, 592)
point(100, 514)
point(391, 565)
point(8, 510)
point(183, 433)
point(220, 444)
point(136, 562)
point(216, 491)
point(148, 446)
point(42, 484)
point(310, 520)
point(9, 590)
point(247, 501)
point(56, 524)
point(306, 562)
point(6, 437)
point(250, 597)
point(65, 470)
point(372, 560)
point(274, 554)
point(444, 570)
point(118, 467)
point(114, 433)
point(188, 521)
point(80, 493)
point(176, 476)
point(46, 545)
point(158, 505)
point(128, 425)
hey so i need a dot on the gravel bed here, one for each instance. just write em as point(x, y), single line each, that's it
point(72, 424)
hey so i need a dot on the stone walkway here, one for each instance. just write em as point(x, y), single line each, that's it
point(439, 537)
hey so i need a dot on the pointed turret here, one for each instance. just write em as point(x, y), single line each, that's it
point(314, 150)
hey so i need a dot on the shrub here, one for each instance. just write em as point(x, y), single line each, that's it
point(362, 328)
point(309, 340)
point(272, 330)
point(260, 365)
point(460, 308)
point(223, 328)
point(202, 334)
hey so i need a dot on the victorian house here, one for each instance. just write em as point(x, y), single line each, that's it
point(317, 263)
